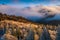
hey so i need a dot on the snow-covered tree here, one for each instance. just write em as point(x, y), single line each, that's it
point(45, 35)
point(58, 33)
point(30, 35)
point(18, 33)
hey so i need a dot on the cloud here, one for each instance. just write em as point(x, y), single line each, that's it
point(54, 2)
point(34, 13)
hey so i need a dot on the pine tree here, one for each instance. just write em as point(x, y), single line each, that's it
point(30, 35)
point(45, 35)
point(7, 28)
point(18, 33)
point(58, 33)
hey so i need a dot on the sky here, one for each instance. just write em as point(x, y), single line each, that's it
point(27, 2)
point(31, 8)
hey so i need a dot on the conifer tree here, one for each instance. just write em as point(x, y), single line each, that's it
point(30, 35)
point(58, 33)
point(45, 35)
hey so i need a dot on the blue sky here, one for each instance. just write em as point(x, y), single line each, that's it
point(45, 2)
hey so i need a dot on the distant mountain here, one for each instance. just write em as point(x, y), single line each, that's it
point(38, 14)
point(13, 17)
